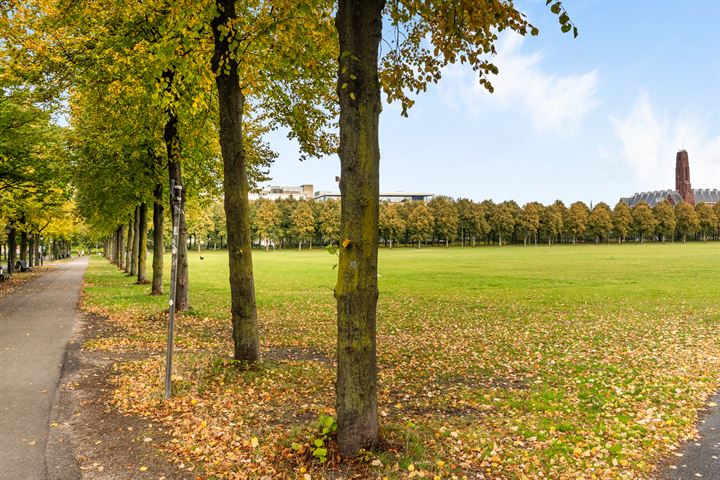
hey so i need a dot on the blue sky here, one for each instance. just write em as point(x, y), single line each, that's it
point(592, 118)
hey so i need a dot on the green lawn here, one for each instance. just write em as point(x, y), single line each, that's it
point(538, 362)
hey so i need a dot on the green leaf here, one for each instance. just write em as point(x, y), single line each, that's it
point(555, 8)
point(318, 442)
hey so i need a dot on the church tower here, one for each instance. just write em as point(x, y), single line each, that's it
point(682, 177)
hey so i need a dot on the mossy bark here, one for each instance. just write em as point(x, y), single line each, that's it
point(38, 254)
point(23, 245)
point(117, 248)
point(237, 207)
point(12, 246)
point(136, 242)
point(129, 244)
point(359, 27)
point(142, 244)
point(158, 246)
point(121, 239)
point(172, 144)
point(31, 249)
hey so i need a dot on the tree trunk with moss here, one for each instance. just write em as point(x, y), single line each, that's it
point(12, 246)
point(117, 248)
point(136, 242)
point(38, 254)
point(129, 244)
point(31, 249)
point(158, 246)
point(142, 244)
point(172, 144)
point(359, 27)
point(120, 240)
point(237, 207)
point(23, 245)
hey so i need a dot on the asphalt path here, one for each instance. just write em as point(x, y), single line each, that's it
point(36, 322)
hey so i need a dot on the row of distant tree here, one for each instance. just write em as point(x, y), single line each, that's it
point(446, 221)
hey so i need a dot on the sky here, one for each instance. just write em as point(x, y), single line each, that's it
point(592, 118)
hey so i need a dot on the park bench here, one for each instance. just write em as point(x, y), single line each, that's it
point(23, 266)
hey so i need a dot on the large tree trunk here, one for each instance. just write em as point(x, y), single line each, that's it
point(136, 242)
point(120, 242)
point(142, 244)
point(235, 180)
point(359, 27)
point(12, 246)
point(31, 250)
point(38, 252)
point(116, 247)
point(158, 246)
point(172, 144)
point(129, 244)
point(23, 246)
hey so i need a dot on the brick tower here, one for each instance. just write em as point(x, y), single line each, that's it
point(682, 177)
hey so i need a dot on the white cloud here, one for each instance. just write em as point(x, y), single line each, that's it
point(649, 141)
point(557, 104)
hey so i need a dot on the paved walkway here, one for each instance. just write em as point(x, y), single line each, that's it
point(36, 323)
point(700, 458)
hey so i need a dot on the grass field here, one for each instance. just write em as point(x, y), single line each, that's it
point(540, 362)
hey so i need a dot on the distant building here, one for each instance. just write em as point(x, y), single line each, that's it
point(683, 190)
point(394, 197)
point(302, 192)
point(305, 192)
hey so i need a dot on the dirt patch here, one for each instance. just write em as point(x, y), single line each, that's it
point(107, 444)
point(298, 354)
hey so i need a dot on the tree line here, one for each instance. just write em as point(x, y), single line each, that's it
point(290, 223)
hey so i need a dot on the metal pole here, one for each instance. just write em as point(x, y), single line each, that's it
point(175, 195)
